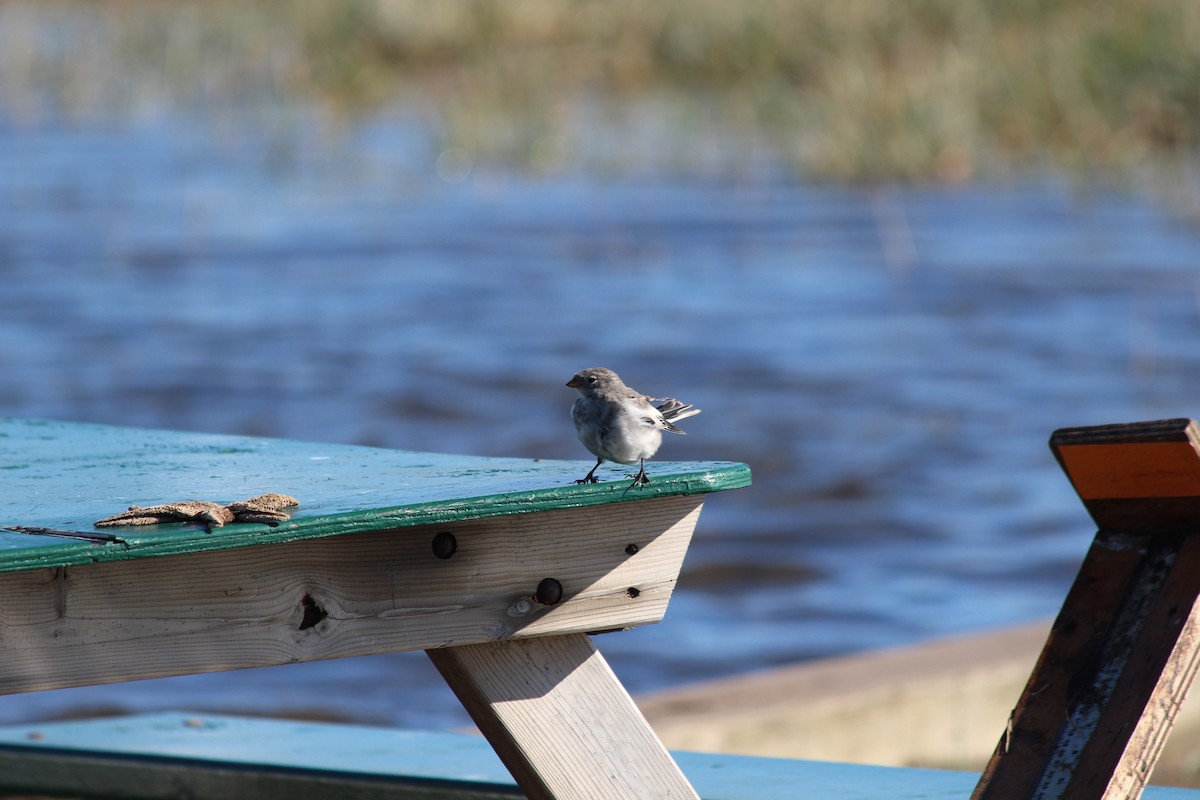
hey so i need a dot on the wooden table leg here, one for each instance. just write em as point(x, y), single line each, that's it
point(560, 720)
point(1120, 658)
point(1125, 648)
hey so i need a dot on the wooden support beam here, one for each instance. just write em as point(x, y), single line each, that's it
point(560, 720)
point(1124, 650)
point(357, 594)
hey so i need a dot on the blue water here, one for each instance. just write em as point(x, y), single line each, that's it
point(889, 362)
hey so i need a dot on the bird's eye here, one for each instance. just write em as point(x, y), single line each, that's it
point(591, 379)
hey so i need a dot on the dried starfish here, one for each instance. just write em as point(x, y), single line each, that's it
point(213, 514)
point(264, 508)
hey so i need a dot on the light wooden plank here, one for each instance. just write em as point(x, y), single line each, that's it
point(351, 595)
point(560, 720)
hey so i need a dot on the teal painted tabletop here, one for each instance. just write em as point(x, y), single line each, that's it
point(349, 751)
point(62, 477)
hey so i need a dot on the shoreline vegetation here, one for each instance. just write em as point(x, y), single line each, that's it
point(859, 91)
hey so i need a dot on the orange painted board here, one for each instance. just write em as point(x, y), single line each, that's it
point(1132, 469)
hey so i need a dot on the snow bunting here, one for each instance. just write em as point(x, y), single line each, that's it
point(618, 424)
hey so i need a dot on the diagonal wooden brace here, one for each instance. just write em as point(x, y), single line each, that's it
point(1123, 651)
point(561, 721)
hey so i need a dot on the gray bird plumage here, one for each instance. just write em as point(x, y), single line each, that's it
point(616, 423)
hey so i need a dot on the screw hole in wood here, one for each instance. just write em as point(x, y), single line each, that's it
point(445, 545)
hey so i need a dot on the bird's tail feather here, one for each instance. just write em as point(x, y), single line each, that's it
point(673, 411)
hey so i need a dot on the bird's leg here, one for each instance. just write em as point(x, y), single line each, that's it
point(591, 476)
point(641, 478)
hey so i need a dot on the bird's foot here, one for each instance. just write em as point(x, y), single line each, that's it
point(641, 479)
point(588, 479)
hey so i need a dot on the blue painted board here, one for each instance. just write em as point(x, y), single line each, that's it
point(368, 752)
point(65, 476)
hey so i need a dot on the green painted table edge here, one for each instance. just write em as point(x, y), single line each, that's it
point(431, 488)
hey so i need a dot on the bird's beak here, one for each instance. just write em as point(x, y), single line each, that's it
point(575, 382)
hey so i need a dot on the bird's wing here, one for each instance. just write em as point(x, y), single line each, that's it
point(672, 410)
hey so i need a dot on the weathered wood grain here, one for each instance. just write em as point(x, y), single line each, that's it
point(388, 551)
point(357, 594)
point(561, 721)
point(1123, 653)
point(1157, 680)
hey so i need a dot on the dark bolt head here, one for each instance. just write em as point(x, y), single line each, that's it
point(633, 591)
point(549, 592)
point(631, 549)
point(444, 545)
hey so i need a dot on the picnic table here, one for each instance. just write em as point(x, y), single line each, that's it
point(499, 568)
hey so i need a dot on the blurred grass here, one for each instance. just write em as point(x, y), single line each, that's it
point(849, 90)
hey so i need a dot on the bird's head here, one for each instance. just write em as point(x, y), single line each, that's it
point(593, 378)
